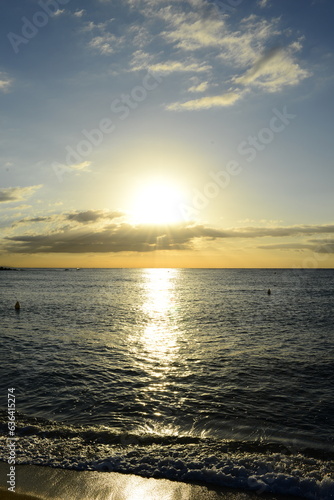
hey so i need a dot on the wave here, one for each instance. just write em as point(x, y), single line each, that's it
point(165, 452)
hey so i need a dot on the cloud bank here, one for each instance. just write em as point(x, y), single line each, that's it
point(96, 231)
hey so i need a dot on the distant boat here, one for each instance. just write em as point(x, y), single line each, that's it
point(66, 269)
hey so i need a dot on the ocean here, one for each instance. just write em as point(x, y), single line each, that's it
point(184, 374)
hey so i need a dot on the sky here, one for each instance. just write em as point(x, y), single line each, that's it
point(146, 133)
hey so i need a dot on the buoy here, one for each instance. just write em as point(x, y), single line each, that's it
point(17, 306)
point(269, 291)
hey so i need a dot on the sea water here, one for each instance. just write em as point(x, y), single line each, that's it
point(186, 374)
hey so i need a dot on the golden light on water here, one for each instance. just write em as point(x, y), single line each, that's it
point(156, 345)
point(160, 334)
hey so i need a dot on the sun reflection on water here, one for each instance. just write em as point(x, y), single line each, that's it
point(156, 343)
point(159, 336)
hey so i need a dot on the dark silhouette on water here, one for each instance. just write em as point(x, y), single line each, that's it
point(17, 306)
point(269, 291)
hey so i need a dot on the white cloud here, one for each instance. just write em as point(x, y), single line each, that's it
point(242, 47)
point(105, 44)
point(103, 41)
point(140, 36)
point(90, 26)
point(5, 82)
point(79, 13)
point(13, 194)
point(200, 87)
point(177, 66)
point(84, 166)
point(199, 41)
point(217, 101)
point(58, 12)
point(263, 3)
point(141, 60)
point(190, 31)
point(274, 70)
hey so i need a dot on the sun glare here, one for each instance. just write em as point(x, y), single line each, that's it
point(157, 203)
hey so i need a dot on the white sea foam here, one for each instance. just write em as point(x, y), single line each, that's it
point(253, 466)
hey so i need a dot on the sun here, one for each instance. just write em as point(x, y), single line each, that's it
point(157, 202)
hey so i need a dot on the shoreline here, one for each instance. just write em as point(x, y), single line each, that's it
point(35, 482)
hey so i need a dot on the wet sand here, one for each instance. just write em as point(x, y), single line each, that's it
point(46, 483)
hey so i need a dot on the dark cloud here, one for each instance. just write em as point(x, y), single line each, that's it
point(123, 237)
point(253, 232)
point(86, 217)
point(90, 216)
point(323, 245)
point(11, 194)
point(32, 219)
point(287, 246)
point(113, 238)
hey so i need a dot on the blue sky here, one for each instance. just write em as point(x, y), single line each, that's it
point(211, 119)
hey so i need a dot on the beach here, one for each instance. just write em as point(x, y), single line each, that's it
point(45, 483)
